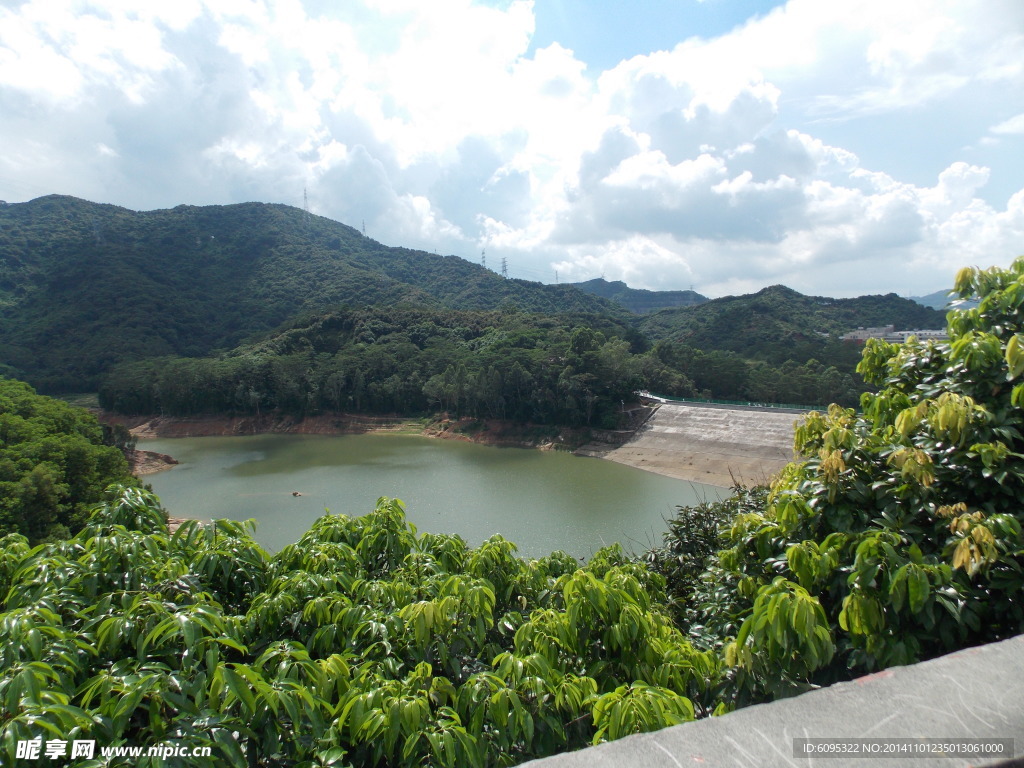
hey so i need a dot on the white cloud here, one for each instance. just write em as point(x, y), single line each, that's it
point(57, 50)
point(1014, 125)
point(699, 165)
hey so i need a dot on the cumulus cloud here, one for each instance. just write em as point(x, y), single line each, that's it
point(437, 126)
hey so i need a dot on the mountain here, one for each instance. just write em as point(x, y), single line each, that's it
point(942, 300)
point(85, 285)
point(638, 300)
point(777, 323)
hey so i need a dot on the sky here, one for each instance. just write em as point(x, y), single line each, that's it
point(840, 147)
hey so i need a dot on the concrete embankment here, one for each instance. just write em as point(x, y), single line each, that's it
point(708, 444)
point(939, 713)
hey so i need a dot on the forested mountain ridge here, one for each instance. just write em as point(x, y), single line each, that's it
point(777, 345)
point(774, 322)
point(639, 300)
point(86, 285)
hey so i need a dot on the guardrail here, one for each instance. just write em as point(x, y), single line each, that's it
point(735, 403)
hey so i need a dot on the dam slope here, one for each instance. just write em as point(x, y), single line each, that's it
point(712, 444)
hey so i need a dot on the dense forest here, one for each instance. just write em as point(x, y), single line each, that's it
point(55, 463)
point(896, 537)
point(498, 365)
point(778, 324)
point(778, 345)
point(564, 370)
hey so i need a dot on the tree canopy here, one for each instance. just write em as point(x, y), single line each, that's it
point(364, 643)
point(55, 462)
point(565, 369)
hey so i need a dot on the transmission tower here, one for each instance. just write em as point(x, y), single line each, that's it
point(483, 258)
point(556, 277)
point(504, 267)
point(305, 205)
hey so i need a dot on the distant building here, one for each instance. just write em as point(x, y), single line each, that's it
point(898, 337)
point(890, 334)
point(863, 334)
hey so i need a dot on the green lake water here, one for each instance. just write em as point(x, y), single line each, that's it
point(541, 500)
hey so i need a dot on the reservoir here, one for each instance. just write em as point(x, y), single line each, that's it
point(541, 500)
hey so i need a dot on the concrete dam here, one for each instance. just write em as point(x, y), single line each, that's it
point(708, 443)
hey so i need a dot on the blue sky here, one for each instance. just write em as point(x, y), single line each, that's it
point(604, 32)
point(841, 147)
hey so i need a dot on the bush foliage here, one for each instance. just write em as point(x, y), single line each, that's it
point(364, 643)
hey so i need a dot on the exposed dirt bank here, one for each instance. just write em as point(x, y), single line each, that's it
point(210, 426)
point(714, 446)
point(148, 462)
point(489, 432)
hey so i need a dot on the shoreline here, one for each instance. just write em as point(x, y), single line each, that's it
point(482, 431)
point(721, 462)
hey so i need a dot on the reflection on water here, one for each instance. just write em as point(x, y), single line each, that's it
point(540, 500)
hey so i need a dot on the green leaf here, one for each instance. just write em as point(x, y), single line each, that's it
point(1014, 357)
point(919, 588)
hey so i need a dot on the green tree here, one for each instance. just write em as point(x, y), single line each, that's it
point(364, 643)
point(55, 462)
point(897, 536)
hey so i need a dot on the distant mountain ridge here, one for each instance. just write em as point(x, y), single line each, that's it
point(777, 322)
point(85, 285)
point(639, 300)
point(942, 300)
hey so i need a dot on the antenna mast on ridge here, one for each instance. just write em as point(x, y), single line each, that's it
point(483, 258)
point(305, 205)
point(504, 267)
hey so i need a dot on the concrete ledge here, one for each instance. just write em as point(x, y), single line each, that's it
point(977, 693)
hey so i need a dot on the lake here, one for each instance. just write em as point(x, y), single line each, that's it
point(541, 500)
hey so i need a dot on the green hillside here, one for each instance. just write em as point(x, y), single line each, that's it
point(639, 300)
point(84, 286)
point(569, 369)
point(777, 323)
